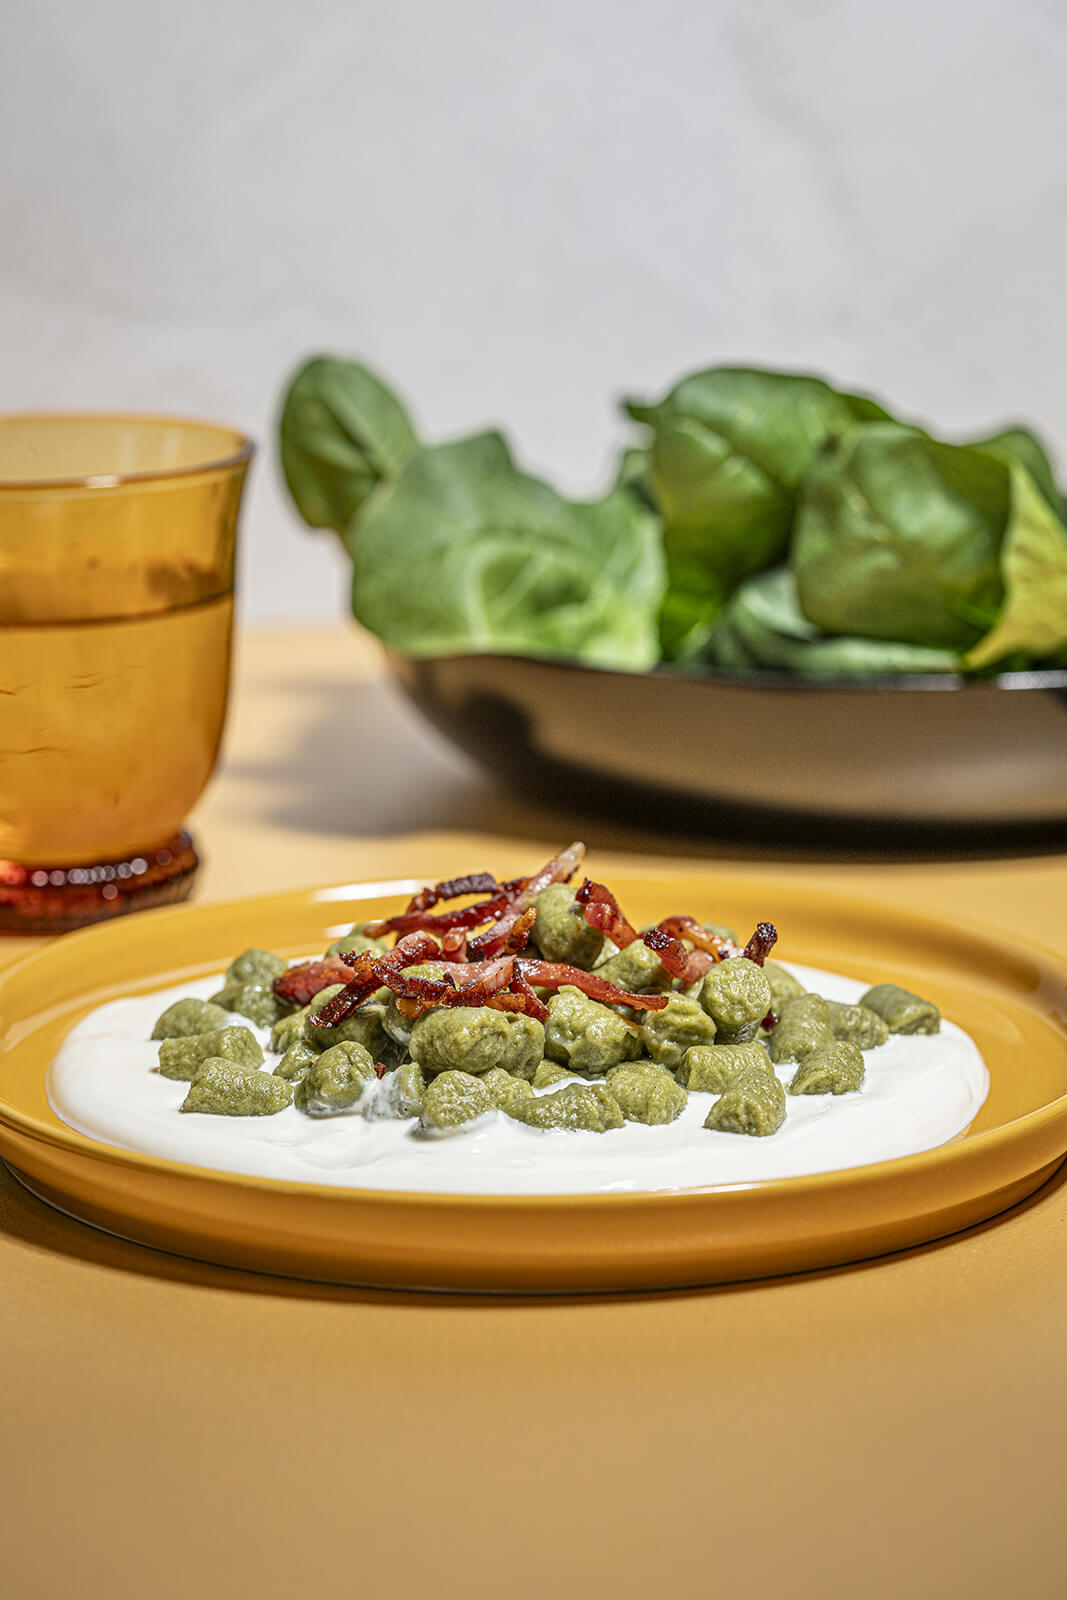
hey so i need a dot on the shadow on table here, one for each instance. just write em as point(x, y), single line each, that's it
point(367, 764)
point(28, 1220)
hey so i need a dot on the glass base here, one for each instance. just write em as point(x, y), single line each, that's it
point(56, 899)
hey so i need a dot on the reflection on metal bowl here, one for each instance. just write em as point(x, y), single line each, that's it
point(908, 752)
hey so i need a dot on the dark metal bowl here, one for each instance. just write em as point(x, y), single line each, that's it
point(939, 752)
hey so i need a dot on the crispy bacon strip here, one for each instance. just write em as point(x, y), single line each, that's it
point(494, 939)
point(503, 1000)
point(367, 975)
point(560, 869)
point(526, 1005)
point(452, 888)
point(519, 936)
point(444, 921)
point(299, 985)
point(462, 974)
point(491, 976)
point(554, 974)
point(602, 911)
point(761, 943)
point(454, 944)
point(699, 963)
point(688, 965)
point(532, 1005)
point(683, 927)
point(671, 951)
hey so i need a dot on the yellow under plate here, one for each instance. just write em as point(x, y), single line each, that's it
point(1013, 1003)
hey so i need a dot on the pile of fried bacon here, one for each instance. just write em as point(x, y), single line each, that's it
point(489, 968)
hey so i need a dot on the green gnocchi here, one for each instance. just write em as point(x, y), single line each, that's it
point(603, 1031)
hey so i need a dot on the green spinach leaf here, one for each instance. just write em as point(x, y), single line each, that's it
point(633, 471)
point(898, 537)
point(342, 433)
point(1033, 560)
point(763, 628)
point(729, 449)
point(1019, 444)
point(466, 553)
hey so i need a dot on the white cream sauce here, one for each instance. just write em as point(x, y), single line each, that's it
point(918, 1093)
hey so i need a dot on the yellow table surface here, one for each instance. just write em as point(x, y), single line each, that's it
point(171, 1429)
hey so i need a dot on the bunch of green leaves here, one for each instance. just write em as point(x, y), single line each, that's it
point(765, 521)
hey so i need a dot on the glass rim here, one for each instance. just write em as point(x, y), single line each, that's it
point(243, 450)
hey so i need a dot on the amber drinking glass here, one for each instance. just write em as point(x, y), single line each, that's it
point(117, 540)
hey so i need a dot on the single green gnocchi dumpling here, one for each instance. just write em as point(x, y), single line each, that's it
point(187, 1017)
point(578, 1108)
point(506, 1092)
point(336, 1081)
point(636, 969)
point(783, 984)
point(475, 1039)
point(561, 932)
point(256, 1001)
point(255, 966)
point(180, 1058)
point(642, 1064)
point(737, 997)
point(753, 1104)
point(902, 1011)
point(711, 1068)
point(859, 1024)
point(288, 1029)
point(356, 943)
point(835, 1068)
point(804, 1026)
point(296, 1061)
point(669, 1033)
point(452, 1101)
point(647, 1093)
point(400, 1094)
point(586, 1036)
point(225, 1089)
point(550, 1072)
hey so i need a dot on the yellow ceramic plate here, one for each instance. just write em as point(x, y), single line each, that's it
point(1013, 1003)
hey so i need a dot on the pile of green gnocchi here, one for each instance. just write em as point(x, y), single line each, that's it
point(590, 1067)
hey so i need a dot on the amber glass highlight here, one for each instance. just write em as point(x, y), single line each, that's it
point(117, 540)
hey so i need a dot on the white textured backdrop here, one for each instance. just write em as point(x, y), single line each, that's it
point(517, 212)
